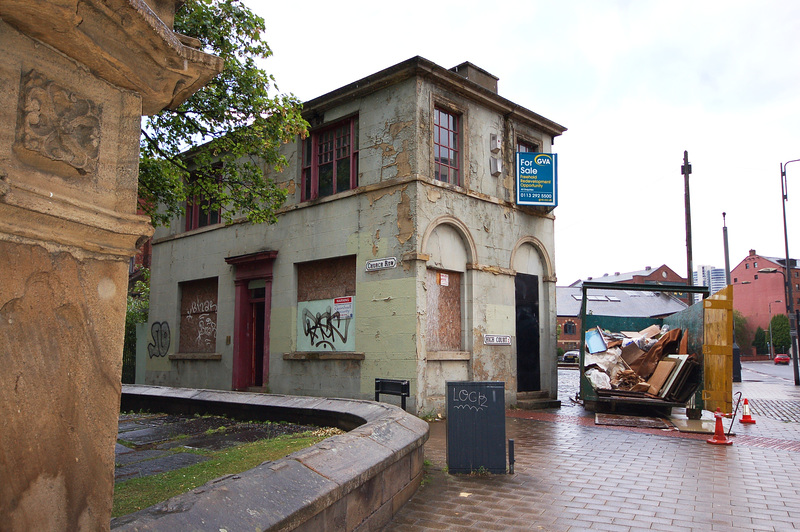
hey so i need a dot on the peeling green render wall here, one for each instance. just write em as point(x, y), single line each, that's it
point(474, 229)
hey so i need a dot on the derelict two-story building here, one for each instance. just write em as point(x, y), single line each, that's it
point(401, 252)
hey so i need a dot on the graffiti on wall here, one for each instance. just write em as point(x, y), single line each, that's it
point(198, 327)
point(159, 330)
point(324, 327)
point(201, 322)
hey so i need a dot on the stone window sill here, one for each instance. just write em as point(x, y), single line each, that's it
point(195, 356)
point(323, 355)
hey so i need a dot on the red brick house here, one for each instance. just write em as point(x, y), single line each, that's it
point(759, 295)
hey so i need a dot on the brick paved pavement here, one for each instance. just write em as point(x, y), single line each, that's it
point(573, 475)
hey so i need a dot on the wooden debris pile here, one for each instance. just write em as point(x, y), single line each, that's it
point(652, 363)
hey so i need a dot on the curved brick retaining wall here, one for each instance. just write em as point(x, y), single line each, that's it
point(357, 480)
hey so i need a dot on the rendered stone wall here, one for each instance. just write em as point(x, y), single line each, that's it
point(68, 152)
point(70, 113)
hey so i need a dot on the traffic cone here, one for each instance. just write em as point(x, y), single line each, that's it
point(719, 433)
point(746, 417)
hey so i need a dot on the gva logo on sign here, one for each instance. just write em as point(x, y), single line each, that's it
point(543, 160)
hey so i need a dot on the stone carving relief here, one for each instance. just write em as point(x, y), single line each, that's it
point(57, 124)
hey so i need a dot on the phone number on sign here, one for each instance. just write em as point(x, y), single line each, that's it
point(539, 196)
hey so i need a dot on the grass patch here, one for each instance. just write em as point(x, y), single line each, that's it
point(138, 493)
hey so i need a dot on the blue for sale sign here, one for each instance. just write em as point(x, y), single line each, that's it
point(537, 179)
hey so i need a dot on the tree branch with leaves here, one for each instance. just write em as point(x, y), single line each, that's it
point(220, 142)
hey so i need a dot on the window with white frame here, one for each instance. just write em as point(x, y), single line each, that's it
point(446, 146)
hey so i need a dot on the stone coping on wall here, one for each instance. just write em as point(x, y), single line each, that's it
point(195, 356)
point(357, 480)
point(327, 355)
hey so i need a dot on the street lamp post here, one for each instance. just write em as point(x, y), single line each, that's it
point(787, 278)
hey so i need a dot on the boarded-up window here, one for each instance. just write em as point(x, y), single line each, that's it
point(199, 316)
point(326, 279)
point(443, 330)
point(326, 304)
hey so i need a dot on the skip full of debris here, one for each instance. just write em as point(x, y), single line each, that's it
point(652, 363)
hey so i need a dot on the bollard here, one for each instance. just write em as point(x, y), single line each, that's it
point(510, 456)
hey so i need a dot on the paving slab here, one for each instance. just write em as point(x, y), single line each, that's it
point(571, 474)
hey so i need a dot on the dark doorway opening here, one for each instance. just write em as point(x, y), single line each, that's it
point(257, 309)
point(526, 288)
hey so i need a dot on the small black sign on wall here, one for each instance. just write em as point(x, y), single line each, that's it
point(476, 427)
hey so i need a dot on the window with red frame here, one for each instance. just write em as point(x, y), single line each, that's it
point(199, 212)
point(526, 147)
point(446, 146)
point(330, 160)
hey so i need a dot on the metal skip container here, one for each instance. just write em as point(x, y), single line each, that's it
point(476, 427)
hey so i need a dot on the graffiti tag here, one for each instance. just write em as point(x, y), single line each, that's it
point(197, 306)
point(472, 399)
point(324, 328)
point(206, 330)
point(161, 339)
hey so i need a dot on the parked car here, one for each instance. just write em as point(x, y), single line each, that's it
point(570, 357)
point(780, 359)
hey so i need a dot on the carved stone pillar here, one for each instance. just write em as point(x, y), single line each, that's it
point(76, 78)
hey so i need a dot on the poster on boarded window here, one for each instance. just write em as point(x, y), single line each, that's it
point(537, 179)
point(326, 325)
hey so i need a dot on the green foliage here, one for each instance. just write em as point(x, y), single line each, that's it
point(236, 121)
point(760, 342)
point(741, 331)
point(137, 311)
point(137, 493)
point(781, 339)
point(139, 299)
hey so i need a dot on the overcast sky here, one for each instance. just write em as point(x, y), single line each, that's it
point(635, 82)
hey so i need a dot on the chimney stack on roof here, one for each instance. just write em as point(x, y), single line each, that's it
point(477, 75)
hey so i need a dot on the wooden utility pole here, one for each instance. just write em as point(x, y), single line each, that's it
point(686, 169)
point(727, 257)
